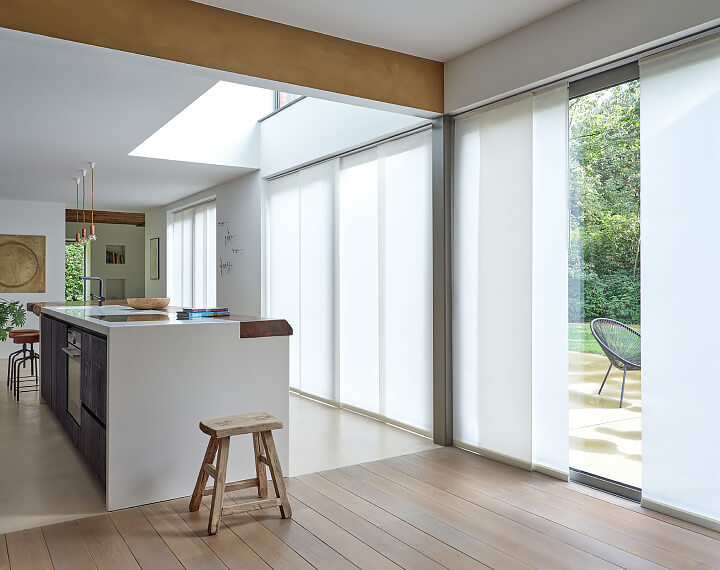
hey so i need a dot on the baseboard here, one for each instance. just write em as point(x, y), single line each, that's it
point(360, 411)
point(700, 520)
point(494, 455)
point(552, 472)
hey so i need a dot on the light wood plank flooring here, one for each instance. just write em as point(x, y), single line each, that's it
point(443, 508)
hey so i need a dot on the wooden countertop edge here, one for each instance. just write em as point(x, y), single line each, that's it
point(250, 327)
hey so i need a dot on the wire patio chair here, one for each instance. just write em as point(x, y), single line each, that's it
point(621, 344)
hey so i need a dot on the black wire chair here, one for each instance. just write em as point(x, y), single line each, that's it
point(621, 344)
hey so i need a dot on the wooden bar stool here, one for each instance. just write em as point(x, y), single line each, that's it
point(220, 430)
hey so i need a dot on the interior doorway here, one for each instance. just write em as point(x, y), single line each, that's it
point(604, 288)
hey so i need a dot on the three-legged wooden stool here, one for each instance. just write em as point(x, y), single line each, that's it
point(220, 430)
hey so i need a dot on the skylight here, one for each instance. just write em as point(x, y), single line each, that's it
point(219, 127)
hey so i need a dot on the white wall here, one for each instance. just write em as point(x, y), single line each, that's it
point(133, 271)
point(239, 207)
point(156, 227)
point(569, 41)
point(37, 218)
point(313, 128)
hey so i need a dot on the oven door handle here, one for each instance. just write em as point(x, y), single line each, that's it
point(72, 352)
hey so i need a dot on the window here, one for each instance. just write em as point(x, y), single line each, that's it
point(191, 256)
point(283, 98)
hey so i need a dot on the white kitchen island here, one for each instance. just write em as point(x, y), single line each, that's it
point(162, 377)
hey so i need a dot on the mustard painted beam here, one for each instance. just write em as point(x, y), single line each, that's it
point(197, 34)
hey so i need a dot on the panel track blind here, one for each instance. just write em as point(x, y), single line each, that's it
point(348, 247)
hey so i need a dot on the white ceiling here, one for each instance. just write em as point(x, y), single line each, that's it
point(426, 28)
point(63, 104)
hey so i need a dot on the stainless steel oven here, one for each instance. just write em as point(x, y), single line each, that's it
point(74, 354)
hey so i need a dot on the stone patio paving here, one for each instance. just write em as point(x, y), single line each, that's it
point(604, 439)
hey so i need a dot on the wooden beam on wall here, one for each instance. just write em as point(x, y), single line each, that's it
point(197, 34)
point(105, 217)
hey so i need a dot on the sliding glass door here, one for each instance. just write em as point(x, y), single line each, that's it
point(604, 284)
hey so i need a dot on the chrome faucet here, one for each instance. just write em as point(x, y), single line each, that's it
point(100, 298)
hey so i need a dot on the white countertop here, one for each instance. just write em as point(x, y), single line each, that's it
point(101, 319)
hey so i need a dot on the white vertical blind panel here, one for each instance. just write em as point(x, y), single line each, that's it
point(200, 255)
point(493, 360)
point(316, 334)
point(186, 275)
point(550, 279)
point(466, 281)
point(210, 258)
point(283, 246)
point(680, 122)
point(407, 281)
point(358, 281)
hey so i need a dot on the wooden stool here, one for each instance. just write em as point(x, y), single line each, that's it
point(220, 430)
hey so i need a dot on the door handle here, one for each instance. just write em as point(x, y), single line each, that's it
point(72, 352)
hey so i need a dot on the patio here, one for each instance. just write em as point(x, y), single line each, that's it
point(604, 440)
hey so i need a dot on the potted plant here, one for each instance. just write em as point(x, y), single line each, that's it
point(12, 315)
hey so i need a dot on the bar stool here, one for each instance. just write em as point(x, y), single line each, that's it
point(220, 430)
point(23, 352)
point(20, 359)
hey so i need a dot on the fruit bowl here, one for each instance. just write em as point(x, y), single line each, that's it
point(146, 303)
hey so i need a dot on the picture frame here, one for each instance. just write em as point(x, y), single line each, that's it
point(155, 259)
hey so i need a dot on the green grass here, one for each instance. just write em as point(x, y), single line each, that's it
point(580, 339)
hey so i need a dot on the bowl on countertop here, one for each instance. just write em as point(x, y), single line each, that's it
point(146, 303)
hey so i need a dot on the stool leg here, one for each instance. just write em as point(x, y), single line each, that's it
point(260, 471)
point(11, 360)
point(197, 495)
point(219, 490)
point(276, 472)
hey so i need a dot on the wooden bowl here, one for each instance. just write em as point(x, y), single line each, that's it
point(146, 303)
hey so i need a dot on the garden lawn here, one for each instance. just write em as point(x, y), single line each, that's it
point(580, 339)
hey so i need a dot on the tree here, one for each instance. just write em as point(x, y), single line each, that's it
point(74, 269)
point(604, 258)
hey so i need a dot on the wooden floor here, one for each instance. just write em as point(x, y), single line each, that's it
point(443, 508)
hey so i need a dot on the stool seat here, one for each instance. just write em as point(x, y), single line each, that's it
point(16, 332)
point(26, 338)
point(241, 424)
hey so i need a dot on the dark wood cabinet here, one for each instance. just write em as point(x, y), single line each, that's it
point(93, 389)
point(89, 435)
point(59, 371)
point(92, 443)
point(46, 385)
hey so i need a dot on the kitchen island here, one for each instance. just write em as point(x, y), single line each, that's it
point(129, 387)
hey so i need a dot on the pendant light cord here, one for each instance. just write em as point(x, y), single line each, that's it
point(77, 207)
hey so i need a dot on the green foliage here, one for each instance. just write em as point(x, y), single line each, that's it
point(12, 315)
point(580, 338)
point(74, 269)
point(604, 257)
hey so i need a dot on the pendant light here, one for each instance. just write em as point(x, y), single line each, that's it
point(77, 212)
point(93, 237)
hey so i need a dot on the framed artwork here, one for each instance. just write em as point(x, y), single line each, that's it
point(155, 259)
point(22, 264)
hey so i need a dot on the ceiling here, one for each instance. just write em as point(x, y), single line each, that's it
point(64, 104)
point(426, 28)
